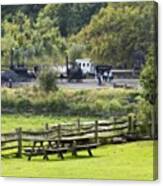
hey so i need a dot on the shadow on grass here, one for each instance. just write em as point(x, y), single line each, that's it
point(66, 158)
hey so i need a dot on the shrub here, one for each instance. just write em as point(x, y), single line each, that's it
point(47, 80)
point(57, 105)
point(23, 104)
point(115, 106)
point(144, 110)
point(102, 103)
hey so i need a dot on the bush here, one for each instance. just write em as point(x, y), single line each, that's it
point(23, 104)
point(115, 107)
point(47, 80)
point(144, 109)
point(102, 103)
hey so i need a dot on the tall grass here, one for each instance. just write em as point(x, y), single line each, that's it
point(101, 102)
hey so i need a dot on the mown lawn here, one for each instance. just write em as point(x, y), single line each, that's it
point(126, 161)
point(33, 122)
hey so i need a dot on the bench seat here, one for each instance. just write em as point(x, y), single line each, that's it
point(59, 151)
point(45, 152)
point(87, 147)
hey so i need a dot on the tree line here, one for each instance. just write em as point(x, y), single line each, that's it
point(39, 33)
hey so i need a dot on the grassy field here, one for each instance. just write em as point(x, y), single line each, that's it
point(127, 161)
point(28, 122)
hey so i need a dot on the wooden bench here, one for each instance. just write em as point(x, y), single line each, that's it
point(59, 151)
point(75, 148)
point(45, 152)
point(33, 152)
point(59, 147)
point(30, 152)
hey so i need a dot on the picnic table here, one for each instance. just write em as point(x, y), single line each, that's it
point(46, 147)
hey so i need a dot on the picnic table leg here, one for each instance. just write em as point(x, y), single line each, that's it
point(60, 155)
point(45, 157)
point(73, 149)
point(34, 145)
point(29, 158)
point(74, 152)
point(41, 144)
point(49, 144)
point(90, 153)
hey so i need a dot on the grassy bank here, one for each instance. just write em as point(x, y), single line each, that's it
point(103, 102)
point(127, 161)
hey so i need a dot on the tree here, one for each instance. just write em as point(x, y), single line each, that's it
point(76, 51)
point(118, 32)
point(71, 17)
point(17, 36)
point(148, 78)
point(149, 83)
point(8, 11)
point(28, 42)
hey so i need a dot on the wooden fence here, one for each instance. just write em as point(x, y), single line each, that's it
point(99, 131)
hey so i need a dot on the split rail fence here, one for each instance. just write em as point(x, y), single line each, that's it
point(103, 132)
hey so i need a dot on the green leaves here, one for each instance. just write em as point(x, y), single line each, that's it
point(108, 33)
point(30, 40)
point(47, 80)
point(76, 51)
point(149, 77)
point(119, 30)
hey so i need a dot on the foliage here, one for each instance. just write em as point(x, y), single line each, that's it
point(33, 32)
point(29, 41)
point(47, 80)
point(149, 83)
point(75, 51)
point(70, 18)
point(115, 105)
point(120, 33)
point(148, 77)
point(8, 11)
point(103, 29)
point(102, 103)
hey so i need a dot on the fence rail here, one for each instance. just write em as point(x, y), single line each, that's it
point(97, 130)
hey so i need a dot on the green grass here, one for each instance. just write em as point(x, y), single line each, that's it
point(68, 102)
point(132, 161)
point(34, 122)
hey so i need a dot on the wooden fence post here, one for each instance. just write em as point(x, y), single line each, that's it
point(59, 134)
point(115, 120)
point(19, 139)
point(46, 126)
point(78, 126)
point(152, 127)
point(149, 129)
point(114, 125)
point(129, 124)
point(46, 129)
point(134, 124)
point(96, 131)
